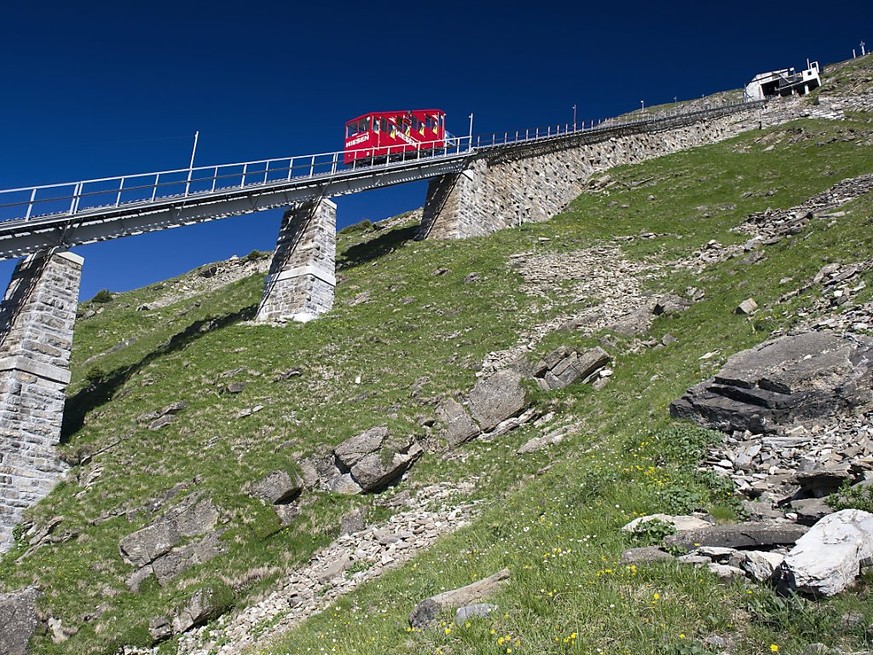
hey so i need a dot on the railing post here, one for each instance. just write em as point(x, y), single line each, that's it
point(120, 189)
point(74, 205)
point(30, 204)
point(245, 169)
point(334, 163)
point(312, 166)
point(155, 187)
point(290, 168)
point(266, 172)
point(214, 177)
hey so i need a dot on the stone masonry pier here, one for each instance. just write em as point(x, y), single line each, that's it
point(36, 337)
point(505, 188)
point(301, 280)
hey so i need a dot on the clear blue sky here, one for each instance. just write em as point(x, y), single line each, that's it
point(95, 88)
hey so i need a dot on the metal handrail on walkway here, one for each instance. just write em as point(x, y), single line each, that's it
point(72, 198)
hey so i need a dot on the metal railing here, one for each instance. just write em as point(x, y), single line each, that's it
point(663, 118)
point(72, 198)
point(101, 194)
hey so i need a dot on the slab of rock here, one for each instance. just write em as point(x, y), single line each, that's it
point(739, 535)
point(18, 620)
point(194, 517)
point(199, 609)
point(748, 306)
point(822, 481)
point(670, 304)
point(829, 557)
point(372, 460)
point(497, 398)
point(477, 611)
point(381, 468)
point(179, 560)
point(278, 487)
point(564, 366)
point(643, 555)
point(782, 382)
point(458, 424)
point(760, 565)
point(160, 628)
point(680, 523)
point(538, 443)
point(427, 610)
point(351, 451)
point(810, 510)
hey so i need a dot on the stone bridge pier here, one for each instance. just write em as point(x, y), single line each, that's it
point(302, 276)
point(36, 337)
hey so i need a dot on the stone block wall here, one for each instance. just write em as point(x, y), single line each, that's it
point(301, 281)
point(497, 193)
point(36, 337)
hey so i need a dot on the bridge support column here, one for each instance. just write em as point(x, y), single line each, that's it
point(302, 277)
point(36, 336)
point(462, 205)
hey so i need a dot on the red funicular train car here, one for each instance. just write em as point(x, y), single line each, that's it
point(382, 135)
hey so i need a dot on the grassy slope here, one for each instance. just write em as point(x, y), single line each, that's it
point(614, 468)
point(559, 534)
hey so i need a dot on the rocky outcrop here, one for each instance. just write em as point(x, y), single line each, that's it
point(564, 366)
point(369, 461)
point(158, 548)
point(18, 620)
point(829, 557)
point(783, 382)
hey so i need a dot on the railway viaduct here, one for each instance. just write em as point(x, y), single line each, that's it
point(476, 187)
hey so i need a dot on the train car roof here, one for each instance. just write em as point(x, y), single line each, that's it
point(399, 111)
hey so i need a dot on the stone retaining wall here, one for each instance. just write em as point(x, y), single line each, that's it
point(494, 194)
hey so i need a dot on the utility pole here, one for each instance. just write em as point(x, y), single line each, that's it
point(191, 164)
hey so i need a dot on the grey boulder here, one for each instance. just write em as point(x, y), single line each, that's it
point(829, 557)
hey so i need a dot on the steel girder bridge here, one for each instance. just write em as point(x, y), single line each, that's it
point(39, 218)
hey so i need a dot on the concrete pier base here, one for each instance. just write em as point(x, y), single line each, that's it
point(37, 316)
point(301, 280)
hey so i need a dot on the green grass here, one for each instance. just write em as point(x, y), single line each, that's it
point(431, 332)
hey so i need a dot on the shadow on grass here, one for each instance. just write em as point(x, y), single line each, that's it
point(102, 390)
point(375, 248)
